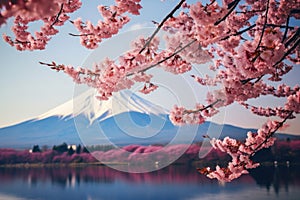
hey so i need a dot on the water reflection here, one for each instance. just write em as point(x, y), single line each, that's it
point(173, 182)
point(70, 176)
point(276, 178)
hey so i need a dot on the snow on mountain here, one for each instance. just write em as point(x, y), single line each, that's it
point(61, 123)
point(90, 107)
point(124, 119)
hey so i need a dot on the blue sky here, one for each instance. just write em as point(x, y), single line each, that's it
point(29, 89)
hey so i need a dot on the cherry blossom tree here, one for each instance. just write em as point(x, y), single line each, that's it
point(253, 45)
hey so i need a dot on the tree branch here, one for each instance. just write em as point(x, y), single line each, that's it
point(272, 133)
point(249, 11)
point(168, 57)
point(161, 24)
point(264, 26)
point(231, 6)
point(250, 79)
point(58, 14)
point(286, 28)
point(206, 107)
point(77, 35)
point(21, 42)
point(293, 38)
point(280, 26)
point(239, 32)
point(288, 51)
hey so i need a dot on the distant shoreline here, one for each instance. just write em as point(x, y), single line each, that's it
point(283, 153)
point(38, 165)
point(195, 164)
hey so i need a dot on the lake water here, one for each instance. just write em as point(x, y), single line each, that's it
point(173, 182)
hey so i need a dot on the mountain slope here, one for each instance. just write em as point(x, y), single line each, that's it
point(88, 106)
point(125, 119)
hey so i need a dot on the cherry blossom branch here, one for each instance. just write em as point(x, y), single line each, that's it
point(166, 58)
point(242, 153)
point(289, 51)
point(267, 111)
point(53, 65)
point(231, 8)
point(114, 18)
point(172, 55)
point(278, 126)
point(286, 29)
point(51, 13)
point(161, 25)
point(202, 109)
point(239, 32)
point(264, 25)
point(249, 11)
point(180, 115)
point(294, 37)
point(281, 26)
point(58, 14)
point(211, 2)
point(80, 34)
point(250, 79)
point(61, 67)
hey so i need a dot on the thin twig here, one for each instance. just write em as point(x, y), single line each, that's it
point(249, 11)
point(161, 24)
point(264, 26)
point(232, 7)
point(293, 38)
point(250, 79)
point(206, 107)
point(288, 51)
point(286, 29)
point(273, 132)
point(77, 35)
point(58, 14)
point(258, 79)
point(281, 26)
point(168, 57)
point(239, 32)
point(211, 3)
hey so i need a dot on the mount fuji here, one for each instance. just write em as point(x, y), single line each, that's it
point(122, 120)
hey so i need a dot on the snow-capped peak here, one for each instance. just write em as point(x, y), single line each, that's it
point(87, 105)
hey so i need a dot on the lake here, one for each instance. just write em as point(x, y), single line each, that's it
point(173, 182)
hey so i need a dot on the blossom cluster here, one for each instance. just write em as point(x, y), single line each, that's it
point(56, 13)
point(293, 102)
point(242, 152)
point(247, 53)
point(114, 18)
point(51, 13)
point(282, 90)
point(180, 116)
point(111, 76)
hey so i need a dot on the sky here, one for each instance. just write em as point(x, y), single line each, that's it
point(28, 89)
